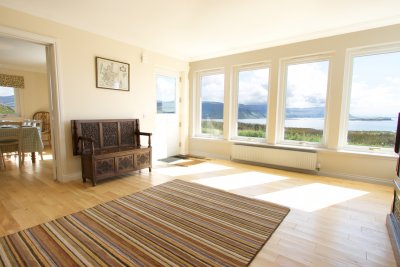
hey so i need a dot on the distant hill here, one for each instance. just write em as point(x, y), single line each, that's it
point(215, 110)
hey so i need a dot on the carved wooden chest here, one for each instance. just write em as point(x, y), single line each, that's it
point(109, 147)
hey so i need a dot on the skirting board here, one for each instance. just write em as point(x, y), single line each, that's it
point(394, 234)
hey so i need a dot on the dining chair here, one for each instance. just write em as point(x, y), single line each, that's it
point(14, 139)
point(44, 117)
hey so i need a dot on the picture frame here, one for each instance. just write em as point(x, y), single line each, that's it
point(112, 74)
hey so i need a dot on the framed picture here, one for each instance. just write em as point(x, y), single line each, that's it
point(111, 74)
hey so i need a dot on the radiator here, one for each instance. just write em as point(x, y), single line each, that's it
point(298, 159)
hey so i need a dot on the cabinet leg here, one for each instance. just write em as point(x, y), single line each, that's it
point(149, 169)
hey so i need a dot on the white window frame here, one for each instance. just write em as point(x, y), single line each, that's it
point(235, 100)
point(351, 53)
point(197, 101)
point(17, 105)
point(284, 63)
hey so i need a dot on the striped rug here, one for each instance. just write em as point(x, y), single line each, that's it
point(174, 224)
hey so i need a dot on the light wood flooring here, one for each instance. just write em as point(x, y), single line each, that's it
point(332, 222)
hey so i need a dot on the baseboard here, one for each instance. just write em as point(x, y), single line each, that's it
point(360, 178)
point(394, 234)
point(208, 155)
point(70, 177)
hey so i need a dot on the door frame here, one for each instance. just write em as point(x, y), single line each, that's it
point(53, 67)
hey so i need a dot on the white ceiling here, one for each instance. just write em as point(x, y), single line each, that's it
point(22, 55)
point(199, 29)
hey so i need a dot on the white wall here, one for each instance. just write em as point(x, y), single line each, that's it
point(332, 160)
point(35, 95)
point(80, 99)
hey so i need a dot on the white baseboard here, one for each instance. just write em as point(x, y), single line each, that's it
point(70, 177)
point(208, 155)
point(349, 176)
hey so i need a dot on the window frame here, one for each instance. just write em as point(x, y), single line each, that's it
point(284, 63)
point(17, 104)
point(198, 101)
point(235, 100)
point(352, 53)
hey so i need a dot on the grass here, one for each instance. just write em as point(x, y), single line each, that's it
point(6, 109)
point(384, 139)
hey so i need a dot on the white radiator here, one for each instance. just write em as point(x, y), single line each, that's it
point(299, 159)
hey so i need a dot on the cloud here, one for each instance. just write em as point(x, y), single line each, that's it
point(307, 85)
point(6, 91)
point(212, 88)
point(166, 87)
point(371, 100)
point(253, 86)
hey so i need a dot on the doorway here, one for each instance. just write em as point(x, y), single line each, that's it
point(167, 128)
point(45, 63)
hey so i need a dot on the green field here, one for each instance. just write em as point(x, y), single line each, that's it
point(6, 110)
point(359, 138)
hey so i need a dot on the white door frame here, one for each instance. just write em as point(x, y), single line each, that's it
point(53, 66)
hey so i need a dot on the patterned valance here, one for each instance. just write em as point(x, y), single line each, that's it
point(12, 81)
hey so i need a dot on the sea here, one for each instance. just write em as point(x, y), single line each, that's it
point(318, 123)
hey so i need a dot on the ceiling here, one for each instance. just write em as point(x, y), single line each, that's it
point(22, 55)
point(199, 29)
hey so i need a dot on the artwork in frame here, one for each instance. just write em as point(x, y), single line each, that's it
point(111, 74)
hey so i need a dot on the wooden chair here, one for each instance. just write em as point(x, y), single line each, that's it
point(12, 140)
point(44, 117)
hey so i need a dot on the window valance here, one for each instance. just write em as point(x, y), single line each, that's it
point(14, 81)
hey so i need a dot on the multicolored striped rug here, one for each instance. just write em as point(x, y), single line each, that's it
point(174, 224)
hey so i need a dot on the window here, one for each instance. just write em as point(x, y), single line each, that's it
point(211, 113)
point(374, 99)
point(251, 108)
point(8, 101)
point(305, 101)
point(166, 94)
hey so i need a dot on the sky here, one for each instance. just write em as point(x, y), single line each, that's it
point(307, 84)
point(6, 91)
point(212, 88)
point(166, 87)
point(253, 86)
point(375, 88)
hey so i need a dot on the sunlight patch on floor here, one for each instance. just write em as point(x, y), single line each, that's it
point(312, 197)
point(195, 169)
point(240, 180)
point(46, 156)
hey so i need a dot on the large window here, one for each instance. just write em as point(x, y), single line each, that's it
point(374, 99)
point(252, 97)
point(166, 94)
point(211, 89)
point(306, 87)
point(8, 101)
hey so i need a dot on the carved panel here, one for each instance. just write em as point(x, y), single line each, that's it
point(110, 134)
point(142, 160)
point(105, 166)
point(125, 163)
point(128, 133)
point(91, 130)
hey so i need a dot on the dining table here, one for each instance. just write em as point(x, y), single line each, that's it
point(31, 140)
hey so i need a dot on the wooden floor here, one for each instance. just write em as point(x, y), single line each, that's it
point(332, 222)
